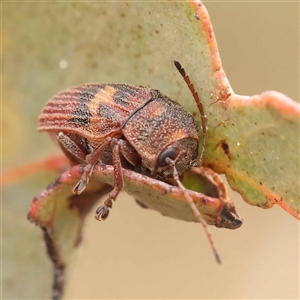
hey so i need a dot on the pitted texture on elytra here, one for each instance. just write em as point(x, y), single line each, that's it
point(109, 112)
point(125, 94)
point(166, 122)
point(82, 115)
point(93, 111)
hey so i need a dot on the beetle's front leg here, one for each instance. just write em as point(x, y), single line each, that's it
point(103, 210)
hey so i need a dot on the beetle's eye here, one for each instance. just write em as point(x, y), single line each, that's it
point(167, 153)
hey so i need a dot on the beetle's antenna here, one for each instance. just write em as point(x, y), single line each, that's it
point(197, 162)
point(186, 78)
point(196, 212)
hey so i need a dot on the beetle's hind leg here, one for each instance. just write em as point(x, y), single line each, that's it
point(103, 210)
point(76, 149)
point(73, 146)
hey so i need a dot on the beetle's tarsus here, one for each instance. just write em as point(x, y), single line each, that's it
point(85, 178)
point(79, 187)
point(102, 212)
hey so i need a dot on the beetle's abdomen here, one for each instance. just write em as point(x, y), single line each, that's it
point(93, 111)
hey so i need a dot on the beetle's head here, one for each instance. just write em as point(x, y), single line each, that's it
point(180, 154)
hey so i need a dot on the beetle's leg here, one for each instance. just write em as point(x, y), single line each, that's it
point(103, 210)
point(84, 180)
point(92, 159)
point(129, 153)
point(70, 146)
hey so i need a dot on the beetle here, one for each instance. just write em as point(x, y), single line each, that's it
point(126, 126)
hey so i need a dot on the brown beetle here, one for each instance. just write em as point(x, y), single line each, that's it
point(126, 126)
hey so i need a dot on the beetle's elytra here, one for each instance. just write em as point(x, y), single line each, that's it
point(125, 126)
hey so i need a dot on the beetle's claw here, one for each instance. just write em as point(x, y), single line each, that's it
point(102, 212)
point(83, 182)
point(79, 187)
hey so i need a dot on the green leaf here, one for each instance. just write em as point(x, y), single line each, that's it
point(61, 215)
point(258, 150)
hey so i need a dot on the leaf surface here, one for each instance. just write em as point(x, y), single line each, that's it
point(61, 214)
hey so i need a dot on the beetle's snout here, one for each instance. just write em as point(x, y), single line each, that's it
point(178, 154)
